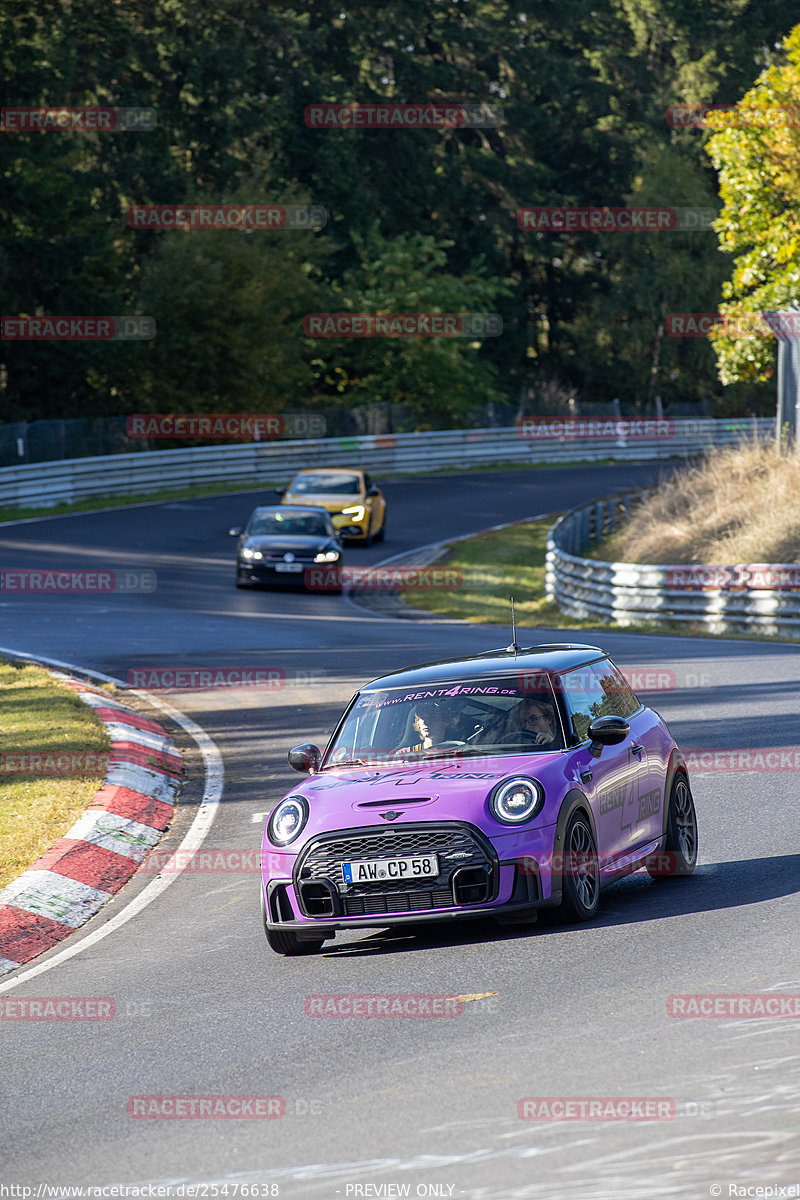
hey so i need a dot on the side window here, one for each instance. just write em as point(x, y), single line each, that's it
point(596, 691)
point(367, 482)
point(622, 697)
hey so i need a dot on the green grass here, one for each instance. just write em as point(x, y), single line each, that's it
point(510, 562)
point(40, 715)
point(496, 565)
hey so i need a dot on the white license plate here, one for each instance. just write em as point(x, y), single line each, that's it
point(379, 870)
point(288, 566)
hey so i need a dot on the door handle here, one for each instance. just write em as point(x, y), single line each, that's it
point(637, 749)
point(586, 776)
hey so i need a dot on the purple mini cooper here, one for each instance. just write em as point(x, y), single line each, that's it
point(489, 786)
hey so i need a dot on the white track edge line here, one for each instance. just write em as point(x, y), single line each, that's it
point(195, 835)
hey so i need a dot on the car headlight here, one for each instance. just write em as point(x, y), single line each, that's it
point(288, 820)
point(248, 553)
point(516, 800)
point(326, 556)
point(356, 511)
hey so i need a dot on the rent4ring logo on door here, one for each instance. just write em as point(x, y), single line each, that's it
point(634, 805)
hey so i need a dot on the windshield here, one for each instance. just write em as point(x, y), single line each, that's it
point(288, 524)
point(484, 716)
point(324, 482)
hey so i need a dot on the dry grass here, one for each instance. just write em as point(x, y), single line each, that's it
point(736, 506)
point(40, 715)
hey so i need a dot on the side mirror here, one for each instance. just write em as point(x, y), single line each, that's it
point(305, 758)
point(278, 491)
point(607, 731)
point(235, 531)
point(373, 491)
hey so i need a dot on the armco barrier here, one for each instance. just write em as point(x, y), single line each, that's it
point(631, 593)
point(256, 463)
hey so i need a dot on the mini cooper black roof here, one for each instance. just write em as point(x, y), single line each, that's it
point(551, 658)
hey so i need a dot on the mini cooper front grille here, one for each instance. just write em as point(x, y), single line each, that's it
point(457, 847)
point(394, 843)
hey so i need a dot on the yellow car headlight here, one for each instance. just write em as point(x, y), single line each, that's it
point(357, 512)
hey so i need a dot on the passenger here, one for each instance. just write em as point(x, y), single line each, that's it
point(430, 723)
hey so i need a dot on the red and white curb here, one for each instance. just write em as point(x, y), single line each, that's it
point(105, 846)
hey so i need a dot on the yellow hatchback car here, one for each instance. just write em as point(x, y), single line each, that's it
point(356, 505)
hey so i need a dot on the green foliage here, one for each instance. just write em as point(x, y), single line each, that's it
point(583, 90)
point(439, 379)
point(758, 160)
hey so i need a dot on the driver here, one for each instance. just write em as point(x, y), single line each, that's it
point(533, 719)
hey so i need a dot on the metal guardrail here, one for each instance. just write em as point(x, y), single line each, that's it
point(69, 480)
point(632, 593)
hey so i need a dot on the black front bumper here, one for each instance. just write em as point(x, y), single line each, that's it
point(467, 886)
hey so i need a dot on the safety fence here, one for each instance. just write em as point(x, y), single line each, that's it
point(534, 441)
point(761, 597)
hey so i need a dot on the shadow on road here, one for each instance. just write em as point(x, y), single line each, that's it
point(630, 901)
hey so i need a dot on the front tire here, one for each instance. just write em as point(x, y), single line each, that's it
point(580, 873)
point(289, 944)
point(678, 855)
point(285, 942)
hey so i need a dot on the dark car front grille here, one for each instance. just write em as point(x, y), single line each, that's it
point(323, 857)
point(278, 556)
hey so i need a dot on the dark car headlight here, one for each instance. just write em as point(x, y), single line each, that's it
point(516, 800)
point(288, 820)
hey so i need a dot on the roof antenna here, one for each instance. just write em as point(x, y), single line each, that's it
point(513, 645)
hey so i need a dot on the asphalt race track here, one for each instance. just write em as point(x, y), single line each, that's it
point(392, 1107)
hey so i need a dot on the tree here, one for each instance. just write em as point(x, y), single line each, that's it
point(438, 379)
point(758, 160)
